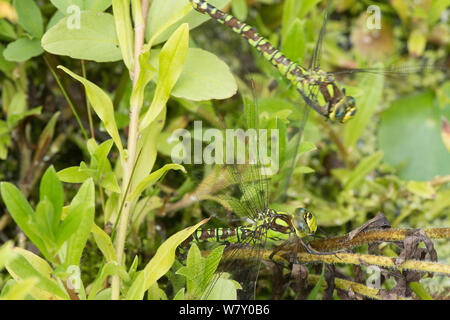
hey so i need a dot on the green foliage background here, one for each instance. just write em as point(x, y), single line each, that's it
point(66, 96)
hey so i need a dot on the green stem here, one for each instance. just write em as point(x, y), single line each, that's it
point(63, 90)
point(130, 162)
point(88, 106)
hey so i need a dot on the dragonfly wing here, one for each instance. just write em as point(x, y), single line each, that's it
point(243, 261)
point(317, 55)
point(393, 71)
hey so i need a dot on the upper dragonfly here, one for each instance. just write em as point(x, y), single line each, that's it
point(318, 88)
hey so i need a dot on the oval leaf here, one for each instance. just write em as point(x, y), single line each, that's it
point(93, 37)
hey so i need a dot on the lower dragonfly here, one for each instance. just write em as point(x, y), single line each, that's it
point(239, 193)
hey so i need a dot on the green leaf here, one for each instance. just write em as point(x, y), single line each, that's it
point(124, 29)
point(204, 77)
point(20, 289)
point(313, 294)
point(367, 102)
point(7, 31)
point(44, 219)
point(171, 61)
point(239, 8)
point(22, 213)
point(102, 106)
point(364, 167)
point(6, 253)
point(423, 189)
point(73, 175)
point(146, 74)
point(7, 67)
point(51, 189)
point(410, 135)
point(104, 243)
point(22, 49)
point(83, 204)
point(30, 17)
point(199, 271)
point(420, 291)
point(97, 5)
point(93, 37)
point(160, 263)
point(294, 45)
point(165, 17)
point(63, 5)
point(152, 178)
point(109, 269)
point(21, 269)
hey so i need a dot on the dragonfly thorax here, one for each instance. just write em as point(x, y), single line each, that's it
point(302, 223)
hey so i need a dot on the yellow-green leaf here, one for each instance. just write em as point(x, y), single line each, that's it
point(124, 29)
point(171, 62)
point(160, 263)
point(152, 178)
point(102, 105)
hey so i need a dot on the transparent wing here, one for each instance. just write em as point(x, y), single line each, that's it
point(394, 71)
point(242, 262)
point(317, 55)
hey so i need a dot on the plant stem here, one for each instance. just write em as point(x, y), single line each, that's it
point(133, 135)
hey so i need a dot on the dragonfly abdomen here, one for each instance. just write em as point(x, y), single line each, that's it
point(231, 235)
point(292, 71)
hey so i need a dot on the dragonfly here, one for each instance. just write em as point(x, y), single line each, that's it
point(319, 89)
point(244, 198)
point(237, 195)
point(312, 83)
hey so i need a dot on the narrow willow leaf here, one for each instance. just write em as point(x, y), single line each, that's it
point(148, 147)
point(22, 213)
point(47, 135)
point(104, 243)
point(30, 17)
point(109, 269)
point(125, 35)
point(102, 105)
point(44, 219)
point(73, 175)
point(364, 167)
point(160, 263)
point(21, 269)
point(85, 199)
point(21, 289)
point(152, 178)
point(93, 37)
point(146, 74)
point(51, 188)
point(171, 61)
point(420, 291)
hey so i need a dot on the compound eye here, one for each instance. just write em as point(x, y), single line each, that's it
point(351, 101)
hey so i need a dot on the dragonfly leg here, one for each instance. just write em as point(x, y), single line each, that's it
point(276, 250)
point(310, 250)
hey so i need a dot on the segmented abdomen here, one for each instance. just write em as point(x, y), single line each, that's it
point(292, 71)
point(232, 235)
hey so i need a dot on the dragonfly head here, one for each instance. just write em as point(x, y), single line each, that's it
point(343, 110)
point(304, 222)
